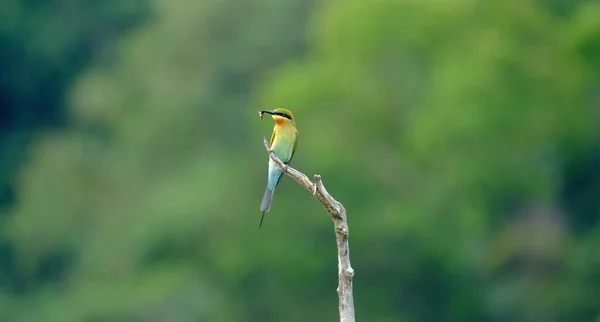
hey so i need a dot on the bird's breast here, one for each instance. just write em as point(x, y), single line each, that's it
point(283, 143)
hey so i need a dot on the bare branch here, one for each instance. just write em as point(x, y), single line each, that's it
point(337, 212)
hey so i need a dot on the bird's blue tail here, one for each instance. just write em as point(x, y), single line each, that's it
point(274, 177)
point(266, 204)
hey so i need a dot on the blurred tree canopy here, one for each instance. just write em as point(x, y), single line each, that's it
point(462, 137)
point(44, 46)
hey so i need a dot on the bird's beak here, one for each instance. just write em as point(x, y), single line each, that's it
point(268, 112)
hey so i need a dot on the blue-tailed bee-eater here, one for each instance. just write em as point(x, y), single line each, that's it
point(283, 143)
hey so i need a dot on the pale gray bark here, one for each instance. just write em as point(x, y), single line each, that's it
point(337, 212)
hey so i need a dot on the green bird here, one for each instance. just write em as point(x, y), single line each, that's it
point(283, 143)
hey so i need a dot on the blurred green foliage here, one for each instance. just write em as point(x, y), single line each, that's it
point(461, 136)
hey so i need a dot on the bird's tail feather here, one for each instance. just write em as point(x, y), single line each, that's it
point(261, 220)
point(266, 203)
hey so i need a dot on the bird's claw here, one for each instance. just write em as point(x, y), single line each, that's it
point(314, 189)
point(285, 168)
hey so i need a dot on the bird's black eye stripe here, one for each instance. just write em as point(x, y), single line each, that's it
point(284, 115)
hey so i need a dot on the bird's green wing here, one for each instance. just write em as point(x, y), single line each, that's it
point(291, 157)
point(294, 149)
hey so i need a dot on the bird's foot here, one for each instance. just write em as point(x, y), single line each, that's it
point(314, 189)
point(285, 168)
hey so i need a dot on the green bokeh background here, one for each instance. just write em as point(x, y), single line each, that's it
point(461, 136)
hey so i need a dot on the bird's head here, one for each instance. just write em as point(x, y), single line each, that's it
point(281, 116)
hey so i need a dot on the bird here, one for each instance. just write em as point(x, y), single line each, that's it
point(283, 143)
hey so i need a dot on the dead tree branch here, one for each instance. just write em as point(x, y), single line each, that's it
point(337, 212)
